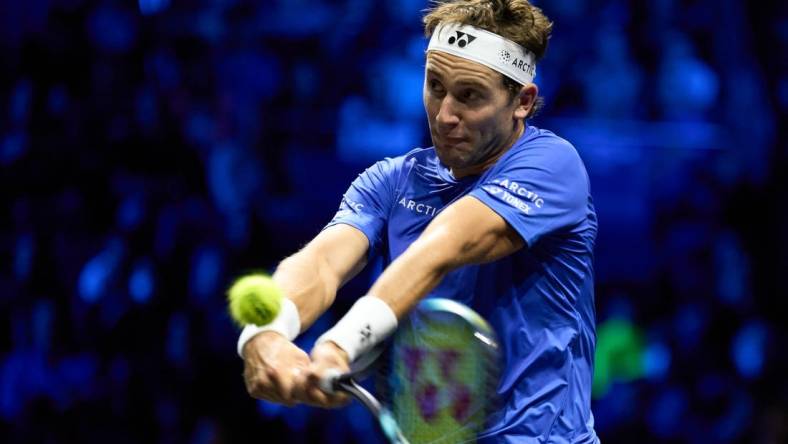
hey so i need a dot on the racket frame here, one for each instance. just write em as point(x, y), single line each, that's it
point(348, 382)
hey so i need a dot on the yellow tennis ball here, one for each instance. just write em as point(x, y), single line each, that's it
point(254, 299)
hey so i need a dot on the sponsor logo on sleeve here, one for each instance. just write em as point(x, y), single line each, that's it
point(355, 206)
point(515, 195)
point(508, 198)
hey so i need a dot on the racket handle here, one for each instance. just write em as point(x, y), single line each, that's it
point(328, 383)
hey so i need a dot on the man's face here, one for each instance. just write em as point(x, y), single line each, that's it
point(470, 113)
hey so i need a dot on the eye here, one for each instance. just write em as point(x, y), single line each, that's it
point(435, 86)
point(470, 94)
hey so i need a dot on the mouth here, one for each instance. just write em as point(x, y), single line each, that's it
point(451, 141)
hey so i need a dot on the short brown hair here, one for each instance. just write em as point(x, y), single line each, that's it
point(516, 20)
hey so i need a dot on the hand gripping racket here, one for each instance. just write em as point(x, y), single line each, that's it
point(435, 379)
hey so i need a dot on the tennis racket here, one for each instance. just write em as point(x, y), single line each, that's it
point(435, 379)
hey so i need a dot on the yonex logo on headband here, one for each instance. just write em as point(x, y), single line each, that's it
point(489, 49)
point(463, 39)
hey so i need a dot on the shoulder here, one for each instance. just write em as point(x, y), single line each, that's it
point(544, 150)
point(544, 163)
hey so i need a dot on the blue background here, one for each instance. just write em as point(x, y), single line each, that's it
point(150, 152)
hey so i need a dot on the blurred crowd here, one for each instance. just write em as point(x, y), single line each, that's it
point(152, 151)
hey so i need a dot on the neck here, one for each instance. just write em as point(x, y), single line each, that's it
point(473, 170)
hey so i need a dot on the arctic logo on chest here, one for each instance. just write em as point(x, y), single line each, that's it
point(416, 207)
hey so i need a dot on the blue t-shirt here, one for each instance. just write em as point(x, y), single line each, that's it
point(539, 300)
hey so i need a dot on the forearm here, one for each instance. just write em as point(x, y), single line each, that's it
point(413, 275)
point(311, 277)
point(465, 233)
point(375, 316)
point(305, 279)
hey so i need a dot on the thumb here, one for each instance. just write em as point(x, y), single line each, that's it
point(327, 381)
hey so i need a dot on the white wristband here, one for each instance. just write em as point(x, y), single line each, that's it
point(287, 323)
point(368, 322)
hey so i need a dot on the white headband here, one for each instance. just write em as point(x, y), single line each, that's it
point(491, 50)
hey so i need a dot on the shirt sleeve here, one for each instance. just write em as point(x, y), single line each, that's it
point(367, 203)
point(538, 190)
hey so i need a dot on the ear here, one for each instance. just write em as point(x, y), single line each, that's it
point(527, 100)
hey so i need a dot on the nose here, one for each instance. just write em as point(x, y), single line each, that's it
point(447, 117)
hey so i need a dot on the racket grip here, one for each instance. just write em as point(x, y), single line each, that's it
point(328, 381)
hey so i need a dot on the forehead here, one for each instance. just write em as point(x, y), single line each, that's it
point(453, 68)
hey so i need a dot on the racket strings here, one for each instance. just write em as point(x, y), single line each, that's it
point(440, 379)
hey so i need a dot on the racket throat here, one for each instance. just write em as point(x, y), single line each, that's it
point(386, 421)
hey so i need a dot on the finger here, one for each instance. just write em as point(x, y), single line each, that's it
point(308, 391)
point(323, 377)
point(317, 381)
point(258, 385)
point(300, 385)
point(254, 380)
point(304, 394)
point(281, 386)
point(320, 398)
point(328, 379)
point(316, 397)
point(339, 400)
point(297, 387)
point(334, 397)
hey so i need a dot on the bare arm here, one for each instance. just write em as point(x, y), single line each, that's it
point(466, 232)
point(311, 277)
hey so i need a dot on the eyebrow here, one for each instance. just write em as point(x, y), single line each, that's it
point(462, 82)
point(472, 82)
point(429, 70)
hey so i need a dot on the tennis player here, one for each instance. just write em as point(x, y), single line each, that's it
point(497, 214)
